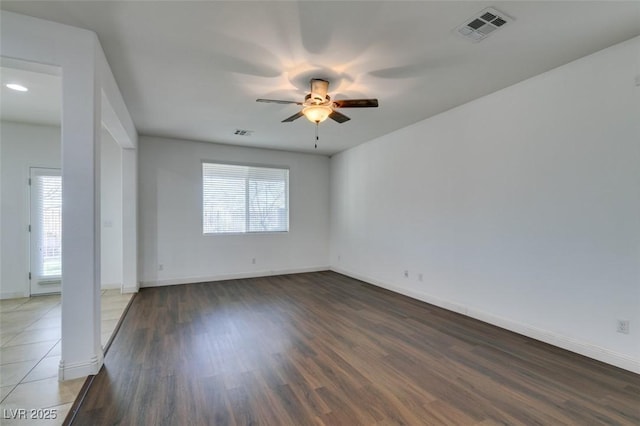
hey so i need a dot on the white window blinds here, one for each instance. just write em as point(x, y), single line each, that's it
point(48, 227)
point(241, 199)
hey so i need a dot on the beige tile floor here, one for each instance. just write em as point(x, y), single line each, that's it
point(30, 354)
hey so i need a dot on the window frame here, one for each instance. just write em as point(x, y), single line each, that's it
point(247, 200)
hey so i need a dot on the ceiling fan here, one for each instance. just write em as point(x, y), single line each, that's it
point(318, 106)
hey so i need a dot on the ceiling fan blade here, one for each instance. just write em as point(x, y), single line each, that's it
point(293, 117)
point(356, 103)
point(278, 101)
point(338, 116)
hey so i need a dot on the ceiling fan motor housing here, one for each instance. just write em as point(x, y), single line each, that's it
point(319, 89)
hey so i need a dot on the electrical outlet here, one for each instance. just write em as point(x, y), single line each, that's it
point(623, 326)
point(160, 267)
point(253, 261)
point(339, 258)
point(406, 273)
point(420, 276)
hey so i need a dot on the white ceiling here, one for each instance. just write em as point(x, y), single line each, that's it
point(193, 70)
point(40, 105)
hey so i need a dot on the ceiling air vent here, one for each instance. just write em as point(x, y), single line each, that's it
point(483, 24)
point(241, 132)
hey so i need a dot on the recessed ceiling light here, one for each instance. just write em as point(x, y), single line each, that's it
point(17, 87)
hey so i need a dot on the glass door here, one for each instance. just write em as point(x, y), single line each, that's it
point(45, 231)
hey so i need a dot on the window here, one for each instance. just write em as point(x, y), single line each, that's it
point(50, 197)
point(45, 230)
point(243, 199)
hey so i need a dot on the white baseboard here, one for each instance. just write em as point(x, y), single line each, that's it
point(132, 289)
point(110, 286)
point(235, 276)
point(67, 371)
point(580, 347)
point(13, 295)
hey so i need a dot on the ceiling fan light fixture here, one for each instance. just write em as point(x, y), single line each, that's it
point(318, 106)
point(317, 113)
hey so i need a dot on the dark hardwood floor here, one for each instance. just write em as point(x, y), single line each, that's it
point(321, 348)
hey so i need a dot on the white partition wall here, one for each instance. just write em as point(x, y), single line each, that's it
point(88, 90)
point(81, 216)
point(111, 212)
point(129, 221)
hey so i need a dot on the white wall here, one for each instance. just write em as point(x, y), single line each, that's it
point(21, 146)
point(521, 208)
point(170, 216)
point(27, 145)
point(110, 212)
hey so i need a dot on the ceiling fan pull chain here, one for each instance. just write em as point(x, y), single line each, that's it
point(317, 122)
